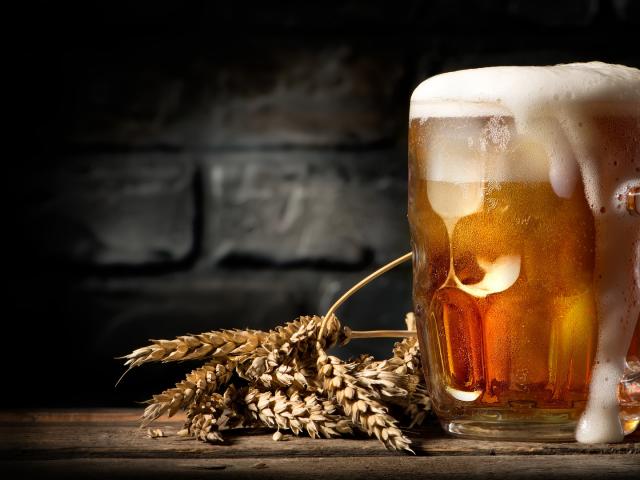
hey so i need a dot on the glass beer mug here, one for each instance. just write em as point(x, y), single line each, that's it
point(523, 210)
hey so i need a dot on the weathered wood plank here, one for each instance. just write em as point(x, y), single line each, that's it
point(114, 434)
point(513, 467)
point(82, 415)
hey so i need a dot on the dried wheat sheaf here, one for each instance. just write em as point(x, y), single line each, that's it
point(283, 379)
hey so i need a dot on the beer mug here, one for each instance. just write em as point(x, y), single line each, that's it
point(523, 211)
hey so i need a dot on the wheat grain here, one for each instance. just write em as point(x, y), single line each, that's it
point(408, 351)
point(387, 384)
point(418, 402)
point(418, 406)
point(397, 385)
point(297, 373)
point(287, 356)
point(202, 381)
point(301, 336)
point(363, 406)
point(239, 345)
point(221, 344)
point(215, 413)
point(155, 433)
point(309, 413)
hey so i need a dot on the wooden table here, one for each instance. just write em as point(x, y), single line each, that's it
point(108, 444)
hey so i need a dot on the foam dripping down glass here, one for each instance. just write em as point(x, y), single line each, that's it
point(523, 184)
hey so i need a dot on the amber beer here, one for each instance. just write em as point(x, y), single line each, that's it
point(503, 283)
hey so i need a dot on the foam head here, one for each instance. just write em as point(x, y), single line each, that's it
point(549, 133)
point(518, 91)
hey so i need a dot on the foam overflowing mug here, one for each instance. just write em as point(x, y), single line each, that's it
point(523, 210)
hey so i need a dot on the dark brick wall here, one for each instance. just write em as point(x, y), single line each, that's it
point(190, 166)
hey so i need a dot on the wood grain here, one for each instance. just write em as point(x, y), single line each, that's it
point(108, 443)
point(312, 468)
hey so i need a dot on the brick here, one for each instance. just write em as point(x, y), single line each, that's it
point(128, 311)
point(251, 94)
point(112, 209)
point(306, 208)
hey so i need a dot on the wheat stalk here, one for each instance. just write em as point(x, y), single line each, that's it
point(418, 406)
point(287, 362)
point(287, 355)
point(297, 413)
point(201, 381)
point(362, 405)
point(306, 390)
point(302, 335)
point(388, 385)
point(292, 383)
point(237, 344)
point(215, 413)
point(398, 381)
point(298, 374)
point(274, 359)
point(221, 344)
point(249, 407)
point(418, 402)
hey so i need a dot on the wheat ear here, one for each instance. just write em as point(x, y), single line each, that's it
point(216, 413)
point(276, 362)
point(297, 413)
point(201, 381)
point(418, 402)
point(221, 344)
point(287, 355)
point(363, 406)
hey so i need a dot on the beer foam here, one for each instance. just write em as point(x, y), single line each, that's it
point(537, 98)
point(524, 90)
point(555, 106)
